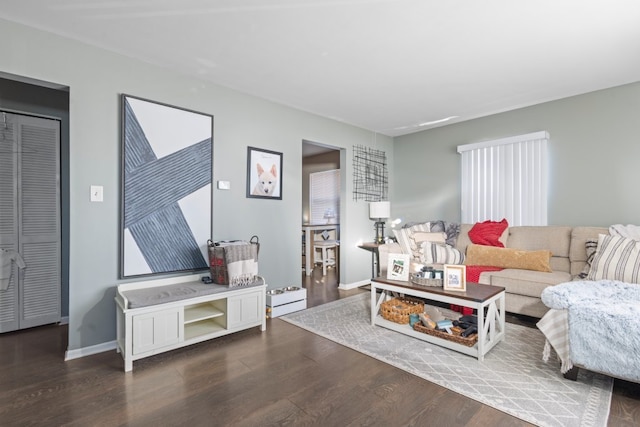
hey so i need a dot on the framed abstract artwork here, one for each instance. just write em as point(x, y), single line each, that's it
point(264, 174)
point(166, 193)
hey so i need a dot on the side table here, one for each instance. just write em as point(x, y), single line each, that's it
point(375, 255)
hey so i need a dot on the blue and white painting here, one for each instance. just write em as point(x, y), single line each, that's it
point(166, 201)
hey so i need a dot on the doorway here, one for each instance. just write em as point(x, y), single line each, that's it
point(38, 98)
point(321, 166)
point(29, 220)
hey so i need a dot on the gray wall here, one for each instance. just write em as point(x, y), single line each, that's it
point(95, 79)
point(594, 154)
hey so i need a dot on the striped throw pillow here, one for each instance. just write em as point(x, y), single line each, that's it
point(616, 258)
point(590, 247)
point(403, 236)
point(440, 253)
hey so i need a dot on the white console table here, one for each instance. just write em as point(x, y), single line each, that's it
point(152, 329)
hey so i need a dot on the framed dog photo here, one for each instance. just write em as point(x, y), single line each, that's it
point(264, 174)
point(398, 267)
point(455, 278)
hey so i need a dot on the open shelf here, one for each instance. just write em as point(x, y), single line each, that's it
point(201, 312)
point(203, 327)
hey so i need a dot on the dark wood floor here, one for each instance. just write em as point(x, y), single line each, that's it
point(284, 376)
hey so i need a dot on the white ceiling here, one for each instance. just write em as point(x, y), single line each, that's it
point(384, 65)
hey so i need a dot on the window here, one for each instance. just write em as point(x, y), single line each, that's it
point(505, 178)
point(324, 193)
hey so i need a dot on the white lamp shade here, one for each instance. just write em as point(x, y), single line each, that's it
point(379, 210)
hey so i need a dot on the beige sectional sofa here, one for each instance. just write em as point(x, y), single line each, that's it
point(523, 287)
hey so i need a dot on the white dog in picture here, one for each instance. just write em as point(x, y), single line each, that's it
point(267, 180)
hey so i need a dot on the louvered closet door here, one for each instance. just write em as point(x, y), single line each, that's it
point(39, 220)
point(9, 308)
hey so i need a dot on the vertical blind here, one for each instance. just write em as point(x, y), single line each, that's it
point(505, 178)
point(324, 193)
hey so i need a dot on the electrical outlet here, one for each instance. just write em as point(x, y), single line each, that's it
point(224, 185)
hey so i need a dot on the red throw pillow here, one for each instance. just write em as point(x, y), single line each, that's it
point(488, 232)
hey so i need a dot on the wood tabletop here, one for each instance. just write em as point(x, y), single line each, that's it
point(475, 291)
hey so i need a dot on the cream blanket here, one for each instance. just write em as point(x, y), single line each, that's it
point(242, 262)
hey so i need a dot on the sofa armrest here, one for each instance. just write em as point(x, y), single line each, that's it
point(383, 255)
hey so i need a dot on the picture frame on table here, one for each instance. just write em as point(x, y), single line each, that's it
point(264, 174)
point(398, 267)
point(455, 278)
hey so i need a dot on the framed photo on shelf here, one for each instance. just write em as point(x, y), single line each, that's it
point(398, 267)
point(264, 174)
point(455, 277)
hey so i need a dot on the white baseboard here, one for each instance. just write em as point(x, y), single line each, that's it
point(88, 351)
point(347, 286)
point(64, 320)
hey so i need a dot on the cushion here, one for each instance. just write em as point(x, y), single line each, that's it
point(451, 229)
point(416, 239)
point(403, 235)
point(526, 282)
point(440, 253)
point(616, 258)
point(488, 232)
point(630, 231)
point(145, 297)
point(556, 239)
point(590, 247)
point(508, 258)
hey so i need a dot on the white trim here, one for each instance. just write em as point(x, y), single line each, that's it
point(64, 320)
point(354, 285)
point(503, 141)
point(88, 351)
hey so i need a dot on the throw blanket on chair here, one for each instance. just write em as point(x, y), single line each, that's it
point(604, 324)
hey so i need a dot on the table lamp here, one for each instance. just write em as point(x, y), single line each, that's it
point(329, 215)
point(379, 211)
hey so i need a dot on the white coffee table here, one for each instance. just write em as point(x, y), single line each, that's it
point(487, 300)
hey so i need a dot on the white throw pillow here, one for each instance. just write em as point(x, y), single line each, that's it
point(418, 237)
point(616, 258)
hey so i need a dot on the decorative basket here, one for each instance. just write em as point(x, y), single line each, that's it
point(421, 281)
point(398, 309)
point(455, 336)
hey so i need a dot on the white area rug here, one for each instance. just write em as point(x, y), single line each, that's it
point(512, 378)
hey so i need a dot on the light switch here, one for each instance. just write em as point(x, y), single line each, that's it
point(97, 193)
point(224, 185)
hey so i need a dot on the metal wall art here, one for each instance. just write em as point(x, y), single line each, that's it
point(370, 176)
